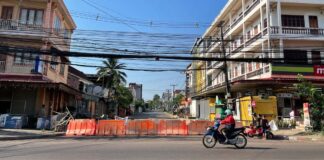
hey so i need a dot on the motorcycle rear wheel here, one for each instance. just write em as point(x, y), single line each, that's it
point(209, 141)
point(243, 144)
point(269, 135)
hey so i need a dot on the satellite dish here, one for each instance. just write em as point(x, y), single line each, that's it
point(97, 90)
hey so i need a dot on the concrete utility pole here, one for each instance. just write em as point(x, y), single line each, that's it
point(173, 85)
point(225, 69)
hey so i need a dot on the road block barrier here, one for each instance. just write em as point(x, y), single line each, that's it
point(161, 127)
point(111, 128)
point(141, 127)
point(198, 127)
point(81, 127)
point(172, 127)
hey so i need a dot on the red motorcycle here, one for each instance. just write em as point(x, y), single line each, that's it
point(257, 131)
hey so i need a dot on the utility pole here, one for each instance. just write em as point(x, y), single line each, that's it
point(173, 85)
point(225, 68)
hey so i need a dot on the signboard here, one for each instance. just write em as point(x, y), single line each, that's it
point(319, 70)
point(306, 114)
point(253, 103)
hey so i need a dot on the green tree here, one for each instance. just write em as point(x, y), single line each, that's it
point(177, 100)
point(124, 96)
point(139, 103)
point(156, 100)
point(316, 100)
point(112, 77)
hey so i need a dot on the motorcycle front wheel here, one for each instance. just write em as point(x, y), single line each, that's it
point(209, 141)
point(241, 141)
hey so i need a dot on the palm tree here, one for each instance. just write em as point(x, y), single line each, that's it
point(112, 76)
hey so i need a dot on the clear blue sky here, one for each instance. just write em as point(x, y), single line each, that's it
point(168, 11)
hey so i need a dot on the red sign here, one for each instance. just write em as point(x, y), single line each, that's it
point(253, 103)
point(319, 70)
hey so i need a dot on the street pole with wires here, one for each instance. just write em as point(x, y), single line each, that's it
point(225, 67)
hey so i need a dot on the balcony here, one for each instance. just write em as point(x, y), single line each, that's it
point(298, 31)
point(15, 28)
point(253, 39)
point(236, 21)
point(249, 9)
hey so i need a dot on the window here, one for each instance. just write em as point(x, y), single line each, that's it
point(265, 23)
point(316, 57)
point(57, 24)
point(295, 56)
point(236, 71)
point(292, 21)
point(31, 17)
point(248, 34)
point(23, 58)
point(53, 62)
point(242, 68)
point(62, 69)
point(256, 30)
point(6, 13)
point(209, 80)
point(250, 67)
point(241, 40)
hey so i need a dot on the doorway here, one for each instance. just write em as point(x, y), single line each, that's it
point(5, 107)
point(313, 24)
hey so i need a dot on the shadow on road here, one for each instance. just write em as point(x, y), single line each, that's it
point(252, 148)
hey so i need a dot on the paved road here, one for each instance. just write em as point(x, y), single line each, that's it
point(155, 115)
point(155, 149)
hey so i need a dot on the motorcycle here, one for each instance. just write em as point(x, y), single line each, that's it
point(253, 131)
point(213, 135)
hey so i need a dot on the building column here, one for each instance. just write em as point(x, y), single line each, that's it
point(279, 16)
point(48, 15)
point(309, 57)
point(281, 49)
point(269, 29)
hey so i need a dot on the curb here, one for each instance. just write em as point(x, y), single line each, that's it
point(31, 137)
point(296, 138)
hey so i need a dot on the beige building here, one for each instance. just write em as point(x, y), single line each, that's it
point(28, 80)
point(288, 29)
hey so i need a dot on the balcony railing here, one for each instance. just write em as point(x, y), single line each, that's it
point(248, 10)
point(253, 39)
point(237, 21)
point(298, 31)
point(2, 66)
point(15, 26)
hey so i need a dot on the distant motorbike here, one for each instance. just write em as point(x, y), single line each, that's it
point(253, 131)
point(213, 135)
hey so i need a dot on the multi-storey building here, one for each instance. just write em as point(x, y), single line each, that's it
point(29, 81)
point(288, 29)
point(92, 103)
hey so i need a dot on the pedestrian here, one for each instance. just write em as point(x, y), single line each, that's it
point(292, 118)
point(42, 116)
point(264, 125)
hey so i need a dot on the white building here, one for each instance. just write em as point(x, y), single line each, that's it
point(289, 29)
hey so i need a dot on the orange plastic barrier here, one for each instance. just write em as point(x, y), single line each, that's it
point(111, 128)
point(141, 127)
point(172, 127)
point(198, 127)
point(81, 127)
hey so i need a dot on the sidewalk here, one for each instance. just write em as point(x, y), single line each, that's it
point(20, 134)
point(298, 135)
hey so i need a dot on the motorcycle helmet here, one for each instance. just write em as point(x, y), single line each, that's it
point(228, 112)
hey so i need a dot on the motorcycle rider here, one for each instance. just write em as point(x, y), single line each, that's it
point(229, 123)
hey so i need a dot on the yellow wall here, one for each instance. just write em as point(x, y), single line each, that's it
point(267, 107)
